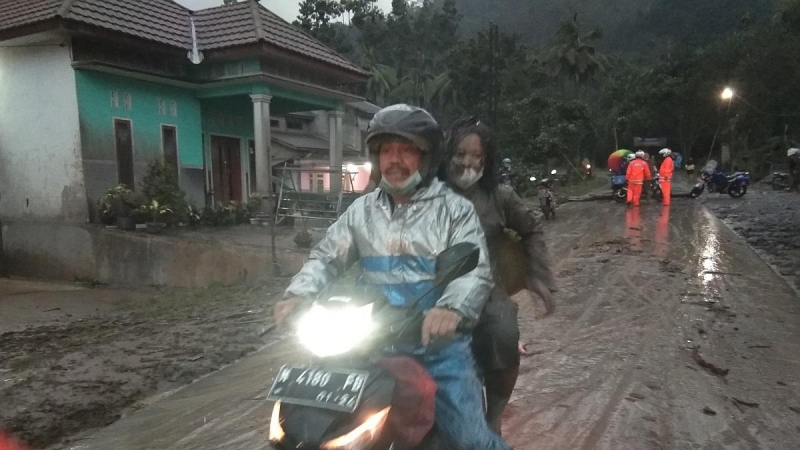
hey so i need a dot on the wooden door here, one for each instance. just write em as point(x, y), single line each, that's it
point(169, 145)
point(226, 166)
point(124, 147)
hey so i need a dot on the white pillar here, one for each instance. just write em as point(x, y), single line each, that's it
point(336, 148)
point(263, 135)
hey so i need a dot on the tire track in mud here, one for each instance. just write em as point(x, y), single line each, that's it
point(616, 311)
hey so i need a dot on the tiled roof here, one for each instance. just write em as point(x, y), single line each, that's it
point(280, 33)
point(14, 13)
point(249, 22)
point(167, 22)
point(225, 26)
point(161, 21)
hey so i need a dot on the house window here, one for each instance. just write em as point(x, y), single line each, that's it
point(114, 99)
point(294, 124)
point(173, 108)
point(127, 101)
point(162, 107)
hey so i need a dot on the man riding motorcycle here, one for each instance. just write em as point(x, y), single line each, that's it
point(469, 170)
point(395, 232)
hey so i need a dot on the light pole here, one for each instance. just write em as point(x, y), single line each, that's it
point(726, 94)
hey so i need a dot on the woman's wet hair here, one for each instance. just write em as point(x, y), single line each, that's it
point(458, 132)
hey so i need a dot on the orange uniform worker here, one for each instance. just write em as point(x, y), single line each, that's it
point(638, 171)
point(665, 174)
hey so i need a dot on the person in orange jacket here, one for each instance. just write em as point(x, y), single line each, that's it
point(638, 171)
point(665, 174)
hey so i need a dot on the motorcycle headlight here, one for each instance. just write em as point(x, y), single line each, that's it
point(362, 436)
point(276, 433)
point(334, 331)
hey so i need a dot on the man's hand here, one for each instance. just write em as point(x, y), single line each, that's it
point(284, 308)
point(544, 293)
point(439, 323)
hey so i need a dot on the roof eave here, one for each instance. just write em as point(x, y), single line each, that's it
point(30, 29)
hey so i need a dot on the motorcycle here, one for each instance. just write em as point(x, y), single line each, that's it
point(547, 201)
point(619, 188)
point(342, 399)
point(780, 181)
point(715, 180)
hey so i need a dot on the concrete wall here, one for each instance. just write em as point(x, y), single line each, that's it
point(66, 251)
point(41, 171)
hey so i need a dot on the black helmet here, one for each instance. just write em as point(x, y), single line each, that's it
point(407, 122)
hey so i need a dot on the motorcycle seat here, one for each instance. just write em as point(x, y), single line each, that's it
point(737, 174)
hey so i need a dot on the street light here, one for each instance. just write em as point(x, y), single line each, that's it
point(727, 94)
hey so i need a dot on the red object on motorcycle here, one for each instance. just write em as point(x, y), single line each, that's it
point(413, 402)
point(6, 443)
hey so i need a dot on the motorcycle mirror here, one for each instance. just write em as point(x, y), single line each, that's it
point(456, 261)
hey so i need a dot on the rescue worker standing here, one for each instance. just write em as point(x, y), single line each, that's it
point(638, 171)
point(468, 169)
point(665, 173)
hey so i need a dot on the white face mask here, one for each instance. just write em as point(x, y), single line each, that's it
point(468, 178)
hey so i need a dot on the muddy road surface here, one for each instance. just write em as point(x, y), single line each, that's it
point(769, 221)
point(74, 358)
point(670, 333)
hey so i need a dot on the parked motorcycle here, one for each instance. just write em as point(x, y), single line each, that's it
point(780, 181)
point(342, 398)
point(619, 188)
point(715, 180)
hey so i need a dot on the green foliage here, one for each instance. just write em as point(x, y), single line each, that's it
point(573, 56)
point(234, 213)
point(155, 212)
point(119, 201)
point(161, 185)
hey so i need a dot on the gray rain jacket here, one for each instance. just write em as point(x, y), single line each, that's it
point(397, 250)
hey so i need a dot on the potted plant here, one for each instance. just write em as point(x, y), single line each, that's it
point(156, 215)
point(120, 204)
point(303, 237)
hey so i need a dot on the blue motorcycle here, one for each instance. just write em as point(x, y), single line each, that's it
point(716, 180)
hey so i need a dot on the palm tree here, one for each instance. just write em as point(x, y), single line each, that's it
point(382, 80)
point(573, 56)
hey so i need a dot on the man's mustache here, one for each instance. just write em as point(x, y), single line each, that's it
point(397, 169)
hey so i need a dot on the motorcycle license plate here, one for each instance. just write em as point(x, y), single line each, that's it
point(339, 390)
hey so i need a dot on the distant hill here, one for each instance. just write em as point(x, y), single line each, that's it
point(628, 25)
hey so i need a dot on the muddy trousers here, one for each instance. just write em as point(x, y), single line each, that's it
point(499, 386)
point(635, 193)
point(666, 189)
point(495, 345)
